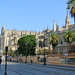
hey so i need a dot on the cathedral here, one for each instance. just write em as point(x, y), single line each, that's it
point(10, 37)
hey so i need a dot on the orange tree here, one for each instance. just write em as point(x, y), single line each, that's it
point(27, 45)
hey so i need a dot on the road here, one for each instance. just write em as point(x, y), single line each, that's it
point(14, 68)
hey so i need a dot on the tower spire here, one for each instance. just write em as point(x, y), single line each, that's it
point(47, 27)
point(67, 15)
point(67, 20)
point(54, 26)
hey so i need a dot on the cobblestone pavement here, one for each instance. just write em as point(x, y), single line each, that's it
point(14, 68)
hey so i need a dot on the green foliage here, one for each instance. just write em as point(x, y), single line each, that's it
point(10, 52)
point(41, 52)
point(27, 45)
point(16, 53)
point(53, 39)
point(69, 36)
point(70, 3)
point(71, 7)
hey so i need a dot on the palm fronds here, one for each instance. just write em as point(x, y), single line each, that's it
point(71, 7)
point(53, 39)
point(69, 36)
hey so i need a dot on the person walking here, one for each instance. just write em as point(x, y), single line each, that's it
point(31, 61)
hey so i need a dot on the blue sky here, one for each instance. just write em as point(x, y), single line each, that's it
point(32, 15)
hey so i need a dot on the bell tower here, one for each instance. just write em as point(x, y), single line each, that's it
point(2, 30)
point(67, 21)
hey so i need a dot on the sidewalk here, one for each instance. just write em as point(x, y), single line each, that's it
point(63, 65)
point(56, 64)
point(2, 70)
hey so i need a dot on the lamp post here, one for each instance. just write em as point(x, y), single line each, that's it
point(44, 52)
point(6, 49)
point(26, 52)
point(17, 55)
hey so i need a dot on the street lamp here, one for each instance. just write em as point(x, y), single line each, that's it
point(44, 52)
point(6, 49)
point(17, 55)
point(26, 52)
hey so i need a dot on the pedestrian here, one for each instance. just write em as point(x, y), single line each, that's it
point(31, 61)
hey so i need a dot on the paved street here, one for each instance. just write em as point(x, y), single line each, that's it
point(35, 69)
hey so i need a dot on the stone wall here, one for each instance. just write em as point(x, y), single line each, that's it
point(33, 58)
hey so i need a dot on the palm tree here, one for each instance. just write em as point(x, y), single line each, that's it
point(53, 39)
point(69, 37)
point(71, 7)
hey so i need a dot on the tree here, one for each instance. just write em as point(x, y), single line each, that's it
point(69, 37)
point(10, 53)
point(27, 45)
point(71, 7)
point(53, 39)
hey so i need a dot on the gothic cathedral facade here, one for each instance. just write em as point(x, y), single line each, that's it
point(10, 37)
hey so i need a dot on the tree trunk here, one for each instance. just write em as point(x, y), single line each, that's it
point(53, 49)
point(53, 46)
point(69, 47)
